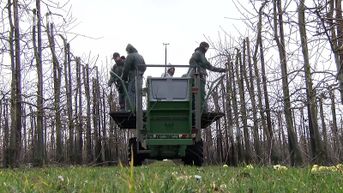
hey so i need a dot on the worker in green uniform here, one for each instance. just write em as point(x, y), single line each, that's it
point(134, 61)
point(199, 60)
point(118, 69)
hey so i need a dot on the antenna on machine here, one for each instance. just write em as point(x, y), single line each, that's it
point(165, 56)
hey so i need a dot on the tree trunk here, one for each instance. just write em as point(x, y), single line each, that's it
point(240, 75)
point(57, 90)
point(266, 120)
point(316, 146)
point(89, 155)
point(33, 133)
point(209, 151)
point(334, 127)
point(69, 94)
point(295, 154)
point(105, 139)
point(324, 131)
point(303, 134)
point(226, 146)
point(231, 154)
point(218, 130)
point(1, 127)
point(6, 129)
point(15, 135)
point(78, 113)
point(236, 113)
point(96, 122)
point(113, 143)
point(52, 150)
point(253, 105)
point(37, 47)
point(339, 39)
point(24, 136)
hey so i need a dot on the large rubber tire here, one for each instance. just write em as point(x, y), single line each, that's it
point(137, 158)
point(194, 154)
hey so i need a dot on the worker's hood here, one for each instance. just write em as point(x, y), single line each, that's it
point(201, 49)
point(130, 49)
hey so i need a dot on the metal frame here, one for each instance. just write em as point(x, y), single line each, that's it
point(125, 90)
point(138, 111)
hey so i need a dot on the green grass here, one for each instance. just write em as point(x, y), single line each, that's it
point(168, 177)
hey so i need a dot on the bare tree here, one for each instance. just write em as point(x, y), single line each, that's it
point(330, 16)
point(57, 92)
point(337, 38)
point(236, 113)
point(316, 146)
point(334, 126)
point(265, 119)
point(96, 119)
point(232, 152)
point(88, 114)
point(33, 134)
point(219, 135)
point(69, 91)
point(78, 113)
point(296, 158)
point(113, 135)
point(208, 144)
point(6, 133)
point(1, 126)
point(324, 129)
point(106, 148)
point(15, 135)
point(240, 77)
point(37, 47)
point(251, 90)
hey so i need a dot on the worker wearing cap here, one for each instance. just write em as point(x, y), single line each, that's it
point(118, 69)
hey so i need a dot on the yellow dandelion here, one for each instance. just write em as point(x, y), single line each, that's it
point(280, 167)
point(323, 168)
point(249, 166)
point(315, 168)
point(332, 168)
point(184, 177)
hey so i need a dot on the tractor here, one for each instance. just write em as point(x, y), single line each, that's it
point(170, 125)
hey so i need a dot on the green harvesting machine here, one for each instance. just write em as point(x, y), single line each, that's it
point(170, 125)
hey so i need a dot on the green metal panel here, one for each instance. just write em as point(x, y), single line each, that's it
point(169, 142)
point(169, 117)
point(167, 111)
point(167, 151)
point(169, 114)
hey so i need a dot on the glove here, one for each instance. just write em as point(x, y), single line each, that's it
point(223, 70)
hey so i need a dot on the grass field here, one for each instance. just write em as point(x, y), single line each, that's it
point(168, 177)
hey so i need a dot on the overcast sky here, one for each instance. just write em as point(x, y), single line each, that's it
point(147, 24)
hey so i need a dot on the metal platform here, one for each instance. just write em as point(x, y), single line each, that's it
point(127, 120)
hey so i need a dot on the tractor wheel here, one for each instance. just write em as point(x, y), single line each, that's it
point(194, 154)
point(187, 160)
point(137, 158)
point(198, 155)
